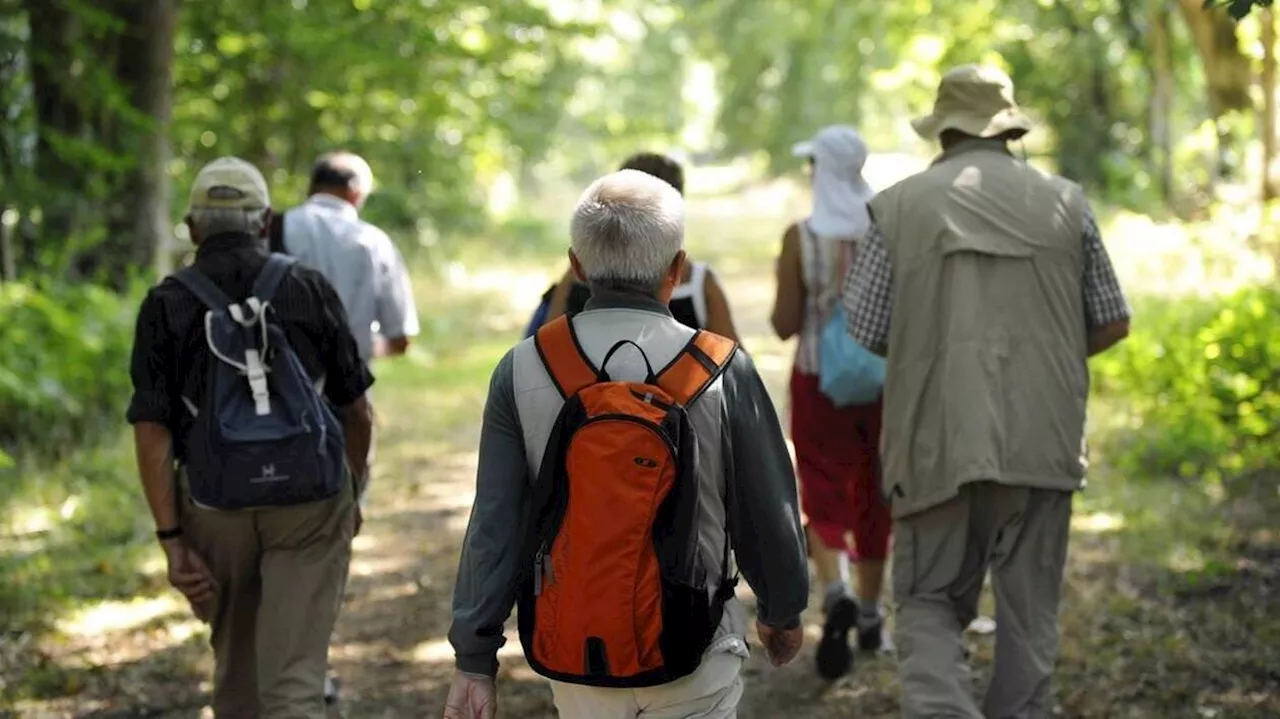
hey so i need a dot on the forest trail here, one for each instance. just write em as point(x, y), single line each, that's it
point(1130, 648)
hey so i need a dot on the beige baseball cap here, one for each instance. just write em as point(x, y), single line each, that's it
point(229, 182)
point(976, 100)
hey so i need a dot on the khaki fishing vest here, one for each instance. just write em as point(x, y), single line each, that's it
point(538, 403)
point(985, 377)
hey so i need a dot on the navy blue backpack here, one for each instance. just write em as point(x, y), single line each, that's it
point(263, 436)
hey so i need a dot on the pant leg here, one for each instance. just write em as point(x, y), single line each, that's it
point(874, 521)
point(712, 692)
point(306, 553)
point(574, 701)
point(1026, 573)
point(938, 567)
point(228, 543)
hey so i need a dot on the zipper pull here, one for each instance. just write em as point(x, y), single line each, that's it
point(537, 573)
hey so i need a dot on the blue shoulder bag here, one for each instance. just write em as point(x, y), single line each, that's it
point(848, 373)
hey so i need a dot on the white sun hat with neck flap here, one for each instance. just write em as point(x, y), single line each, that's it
point(840, 194)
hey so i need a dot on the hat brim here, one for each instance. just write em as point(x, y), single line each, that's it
point(930, 127)
point(802, 149)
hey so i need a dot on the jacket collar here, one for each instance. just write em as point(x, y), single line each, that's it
point(225, 242)
point(977, 144)
point(621, 300)
point(334, 204)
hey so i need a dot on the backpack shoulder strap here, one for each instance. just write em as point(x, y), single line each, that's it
point(697, 365)
point(203, 288)
point(264, 288)
point(563, 357)
point(275, 233)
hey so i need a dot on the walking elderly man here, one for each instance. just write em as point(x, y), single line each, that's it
point(359, 259)
point(986, 286)
point(261, 556)
point(627, 236)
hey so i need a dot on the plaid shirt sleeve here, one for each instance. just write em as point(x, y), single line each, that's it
point(867, 293)
point(1104, 300)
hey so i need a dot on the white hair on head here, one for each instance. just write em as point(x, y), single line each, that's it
point(210, 221)
point(626, 230)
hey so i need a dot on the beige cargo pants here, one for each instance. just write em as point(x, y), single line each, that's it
point(711, 692)
point(281, 573)
point(940, 558)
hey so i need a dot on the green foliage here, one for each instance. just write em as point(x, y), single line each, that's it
point(64, 357)
point(439, 97)
point(1199, 382)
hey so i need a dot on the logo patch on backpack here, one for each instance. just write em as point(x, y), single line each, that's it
point(263, 435)
point(614, 524)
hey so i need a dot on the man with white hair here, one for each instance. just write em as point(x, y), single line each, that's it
point(627, 238)
point(268, 576)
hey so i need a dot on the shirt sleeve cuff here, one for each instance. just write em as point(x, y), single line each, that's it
point(484, 663)
point(148, 407)
point(344, 393)
point(783, 626)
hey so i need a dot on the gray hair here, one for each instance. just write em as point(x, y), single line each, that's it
point(626, 230)
point(209, 221)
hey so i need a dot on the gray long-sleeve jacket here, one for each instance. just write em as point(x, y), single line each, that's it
point(763, 516)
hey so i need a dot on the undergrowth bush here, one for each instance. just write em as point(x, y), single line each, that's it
point(64, 365)
point(1198, 387)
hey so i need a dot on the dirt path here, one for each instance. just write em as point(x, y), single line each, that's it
point(1135, 642)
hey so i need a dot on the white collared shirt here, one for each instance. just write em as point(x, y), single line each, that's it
point(360, 261)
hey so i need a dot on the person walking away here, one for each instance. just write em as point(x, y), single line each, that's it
point(699, 301)
point(667, 442)
point(987, 284)
point(837, 448)
point(359, 260)
point(249, 472)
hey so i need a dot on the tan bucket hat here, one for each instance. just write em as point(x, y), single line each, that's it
point(976, 100)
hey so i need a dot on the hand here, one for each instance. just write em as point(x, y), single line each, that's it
point(189, 574)
point(471, 696)
point(782, 645)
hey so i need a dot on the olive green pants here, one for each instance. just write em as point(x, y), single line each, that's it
point(281, 573)
point(940, 559)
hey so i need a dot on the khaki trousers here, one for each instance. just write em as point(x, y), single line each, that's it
point(281, 573)
point(711, 692)
point(940, 558)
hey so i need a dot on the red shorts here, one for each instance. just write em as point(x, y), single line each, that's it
point(838, 463)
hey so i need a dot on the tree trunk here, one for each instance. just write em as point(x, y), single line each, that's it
point(144, 69)
point(1161, 59)
point(1268, 123)
point(1227, 70)
point(8, 257)
point(59, 115)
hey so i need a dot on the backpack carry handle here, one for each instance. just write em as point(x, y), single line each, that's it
point(603, 375)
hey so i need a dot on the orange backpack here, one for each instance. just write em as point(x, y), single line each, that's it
point(614, 591)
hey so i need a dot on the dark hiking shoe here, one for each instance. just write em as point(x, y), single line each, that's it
point(835, 658)
point(871, 634)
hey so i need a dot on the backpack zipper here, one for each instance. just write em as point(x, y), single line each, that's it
point(542, 568)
